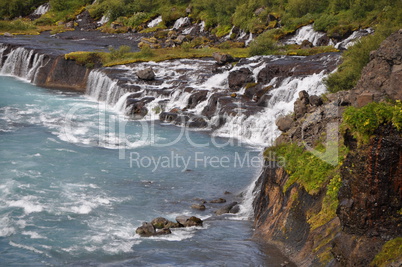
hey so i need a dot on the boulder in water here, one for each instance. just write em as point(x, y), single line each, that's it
point(226, 209)
point(188, 221)
point(284, 123)
point(219, 200)
point(7, 34)
point(198, 206)
point(146, 74)
point(239, 78)
point(163, 223)
point(222, 58)
point(146, 230)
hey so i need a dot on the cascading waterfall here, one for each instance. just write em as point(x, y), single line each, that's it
point(101, 88)
point(306, 33)
point(22, 63)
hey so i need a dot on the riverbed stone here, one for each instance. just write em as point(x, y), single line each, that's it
point(146, 74)
point(188, 221)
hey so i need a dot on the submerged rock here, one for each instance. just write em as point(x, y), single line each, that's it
point(227, 209)
point(219, 200)
point(188, 221)
point(146, 230)
point(163, 223)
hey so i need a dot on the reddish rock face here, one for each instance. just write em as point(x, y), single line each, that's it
point(371, 195)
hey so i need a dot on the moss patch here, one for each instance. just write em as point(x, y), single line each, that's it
point(390, 252)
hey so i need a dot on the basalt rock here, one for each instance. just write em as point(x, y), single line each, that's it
point(239, 78)
point(222, 58)
point(229, 208)
point(146, 74)
point(189, 221)
point(382, 77)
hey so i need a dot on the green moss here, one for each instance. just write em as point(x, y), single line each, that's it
point(362, 122)
point(17, 26)
point(391, 252)
point(314, 173)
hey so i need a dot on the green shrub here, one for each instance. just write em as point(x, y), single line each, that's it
point(119, 53)
point(264, 44)
point(362, 122)
point(16, 25)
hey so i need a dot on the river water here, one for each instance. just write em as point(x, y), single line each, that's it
point(77, 178)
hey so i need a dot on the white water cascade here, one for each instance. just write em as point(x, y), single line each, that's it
point(42, 9)
point(306, 33)
point(22, 63)
point(101, 88)
point(154, 22)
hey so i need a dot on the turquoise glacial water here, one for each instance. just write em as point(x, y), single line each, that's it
point(77, 179)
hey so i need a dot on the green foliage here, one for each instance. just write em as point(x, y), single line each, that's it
point(10, 9)
point(15, 26)
point(362, 122)
point(119, 53)
point(391, 252)
point(299, 8)
point(264, 44)
point(314, 173)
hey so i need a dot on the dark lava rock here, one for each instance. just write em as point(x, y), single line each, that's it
point(198, 206)
point(226, 208)
point(315, 100)
point(188, 221)
point(239, 78)
point(163, 223)
point(222, 59)
point(146, 74)
point(284, 123)
point(219, 200)
point(146, 230)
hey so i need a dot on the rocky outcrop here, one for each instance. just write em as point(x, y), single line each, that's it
point(370, 198)
point(59, 73)
point(382, 78)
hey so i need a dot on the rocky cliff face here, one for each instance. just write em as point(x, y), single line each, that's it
point(370, 198)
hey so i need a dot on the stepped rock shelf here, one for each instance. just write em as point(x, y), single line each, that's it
point(243, 101)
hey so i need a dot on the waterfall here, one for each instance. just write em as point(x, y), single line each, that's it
point(306, 33)
point(22, 63)
point(42, 9)
point(102, 88)
point(154, 22)
point(181, 22)
point(260, 129)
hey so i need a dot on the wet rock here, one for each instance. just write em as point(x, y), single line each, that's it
point(146, 230)
point(7, 34)
point(300, 108)
point(304, 96)
point(219, 200)
point(189, 221)
point(197, 122)
point(284, 123)
point(163, 223)
point(226, 208)
point(146, 74)
point(168, 116)
point(197, 98)
point(165, 231)
point(222, 58)
point(70, 24)
point(239, 78)
point(198, 206)
point(315, 100)
point(306, 44)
